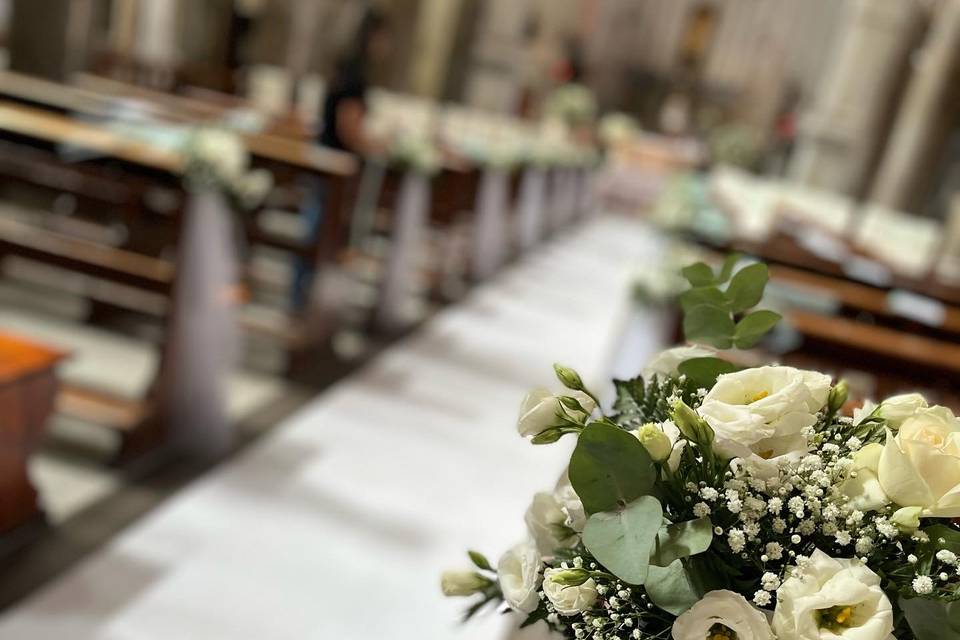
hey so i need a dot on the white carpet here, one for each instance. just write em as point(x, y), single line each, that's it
point(338, 523)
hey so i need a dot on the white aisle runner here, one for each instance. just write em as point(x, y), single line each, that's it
point(337, 524)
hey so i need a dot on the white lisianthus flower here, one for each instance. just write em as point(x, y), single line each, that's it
point(519, 575)
point(541, 409)
point(569, 600)
point(665, 363)
point(833, 599)
point(547, 523)
point(759, 414)
point(254, 187)
point(223, 151)
point(898, 409)
point(655, 441)
point(662, 441)
point(722, 611)
point(920, 465)
point(570, 504)
point(463, 582)
point(862, 413)
point(864, 490)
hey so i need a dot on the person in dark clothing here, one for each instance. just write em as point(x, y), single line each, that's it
point(344, 111)
point(345, 105)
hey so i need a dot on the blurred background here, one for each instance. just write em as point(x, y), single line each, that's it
point(275, 274)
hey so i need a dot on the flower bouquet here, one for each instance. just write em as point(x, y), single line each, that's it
point(712, 502)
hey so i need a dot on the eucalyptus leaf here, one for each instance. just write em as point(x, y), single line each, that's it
point(753, 326)
point(727, 269)
point(609, 468)
point(709, 295)
point(622, 540)
point(710, 324)
point(932, 620)
point(698, 274)
point(681, 540)
point(672, 588)
point(746, 287)
point(702, 373)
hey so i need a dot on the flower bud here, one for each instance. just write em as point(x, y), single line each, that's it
point(655, 441)
point(837, 396)
point(570, 577)
point(907, 519)
point(897, 409)
point(462, 583)
point(569, 377)
point(691, 425)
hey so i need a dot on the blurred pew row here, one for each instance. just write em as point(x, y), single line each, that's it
point(868, 293)
point(101, 206)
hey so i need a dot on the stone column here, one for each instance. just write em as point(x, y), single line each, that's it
point(839, 136)
point(921, 114)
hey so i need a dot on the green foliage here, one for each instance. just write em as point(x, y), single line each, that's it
point(719, 316)
point(672, 588)
point(746, 288)
point(681, 540)
point(753, 326)
point(637, 403)
point(702, 373)
point(932, 620)
point(630, 396)
point(622, 540)
point(480, 560)
point(609, 468)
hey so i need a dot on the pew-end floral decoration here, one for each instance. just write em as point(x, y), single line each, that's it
point(217, 159)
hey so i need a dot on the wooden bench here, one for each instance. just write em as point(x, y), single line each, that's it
point(856, 296)
point(28, 386)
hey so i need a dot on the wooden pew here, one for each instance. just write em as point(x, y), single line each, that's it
point(857, 296)
point(28, 385)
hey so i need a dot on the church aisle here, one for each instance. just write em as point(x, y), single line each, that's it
point(358, 502)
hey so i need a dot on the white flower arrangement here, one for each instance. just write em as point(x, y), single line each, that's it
point(711, 502)
point(415, 152)
point(218, 159)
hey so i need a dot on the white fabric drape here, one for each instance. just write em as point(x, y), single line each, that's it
point(203, 337)
point(490, 234)
point(406, 250)
point(530, 207)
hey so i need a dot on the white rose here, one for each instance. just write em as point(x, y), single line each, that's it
point(519, 575)
point(864, 490)
point(724, 609)
point(759, 414)
point(665, 363)
point(547, 523)
point(570, 504)
point(833, 599)
point(920, 466)
point(897, 409)
point(569, 600)
point(462, 582)
point(541, 410)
